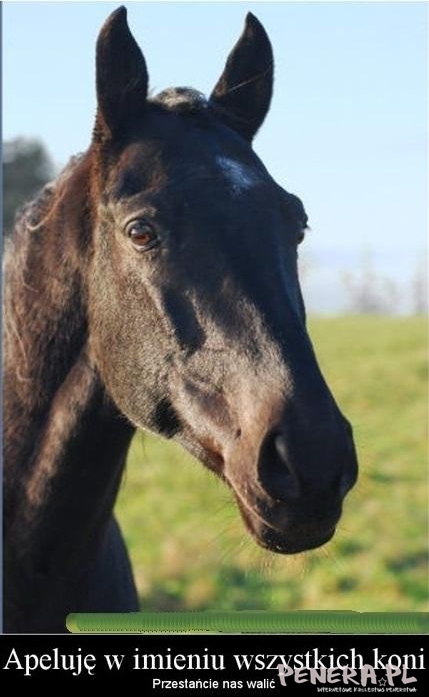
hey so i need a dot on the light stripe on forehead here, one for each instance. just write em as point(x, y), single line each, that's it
point(240, 177)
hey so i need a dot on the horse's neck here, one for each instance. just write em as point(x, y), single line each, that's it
point(58, 515)
point(45, 317)
point(70, 477)
point(65, 442)
point(44, 310)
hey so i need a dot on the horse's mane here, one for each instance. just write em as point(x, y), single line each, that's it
point(32, 214)
point(37, 274)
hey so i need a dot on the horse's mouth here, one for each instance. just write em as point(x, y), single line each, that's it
point(290, 540)
point(272, 525)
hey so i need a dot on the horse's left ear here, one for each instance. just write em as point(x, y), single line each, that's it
point(121, 74)
point(243, 93)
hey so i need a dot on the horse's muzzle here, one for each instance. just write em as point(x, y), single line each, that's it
point(290, 463)
point(291, 505)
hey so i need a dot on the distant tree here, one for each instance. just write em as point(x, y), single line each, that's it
point(370, 293)
point(26, 168)
point(420, 288)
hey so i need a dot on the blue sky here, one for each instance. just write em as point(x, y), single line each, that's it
point(347, 130)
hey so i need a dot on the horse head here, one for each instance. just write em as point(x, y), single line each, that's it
point(196, 319)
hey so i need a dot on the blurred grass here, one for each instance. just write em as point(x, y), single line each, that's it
point(188, 545)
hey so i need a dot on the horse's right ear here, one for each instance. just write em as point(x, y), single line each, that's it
point(121, 76)
point(243, 92)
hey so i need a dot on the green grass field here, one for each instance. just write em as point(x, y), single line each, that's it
point(189, 548)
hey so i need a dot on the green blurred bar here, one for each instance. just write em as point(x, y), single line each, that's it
point(252, 622)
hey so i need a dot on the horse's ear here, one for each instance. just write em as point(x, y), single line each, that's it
point(243, 93)
point(121, 75)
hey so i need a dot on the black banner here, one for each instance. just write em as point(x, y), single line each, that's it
point(221, 664)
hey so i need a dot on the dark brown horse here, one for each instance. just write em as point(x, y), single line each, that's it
point(154, 285)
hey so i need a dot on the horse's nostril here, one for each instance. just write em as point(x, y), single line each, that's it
point(290, 480)
point(275, 470)
point(281, 447)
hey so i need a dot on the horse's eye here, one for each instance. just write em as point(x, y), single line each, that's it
point(301, 235)
point(142, 235)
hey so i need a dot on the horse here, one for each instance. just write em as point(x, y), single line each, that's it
point(154, 286)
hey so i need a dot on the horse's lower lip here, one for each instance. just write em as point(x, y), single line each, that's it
point(276, 542)
point(282, 541)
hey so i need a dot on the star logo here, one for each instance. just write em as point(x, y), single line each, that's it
point(382, 682)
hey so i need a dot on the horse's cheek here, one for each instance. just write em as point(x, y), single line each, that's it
point(121, 344)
